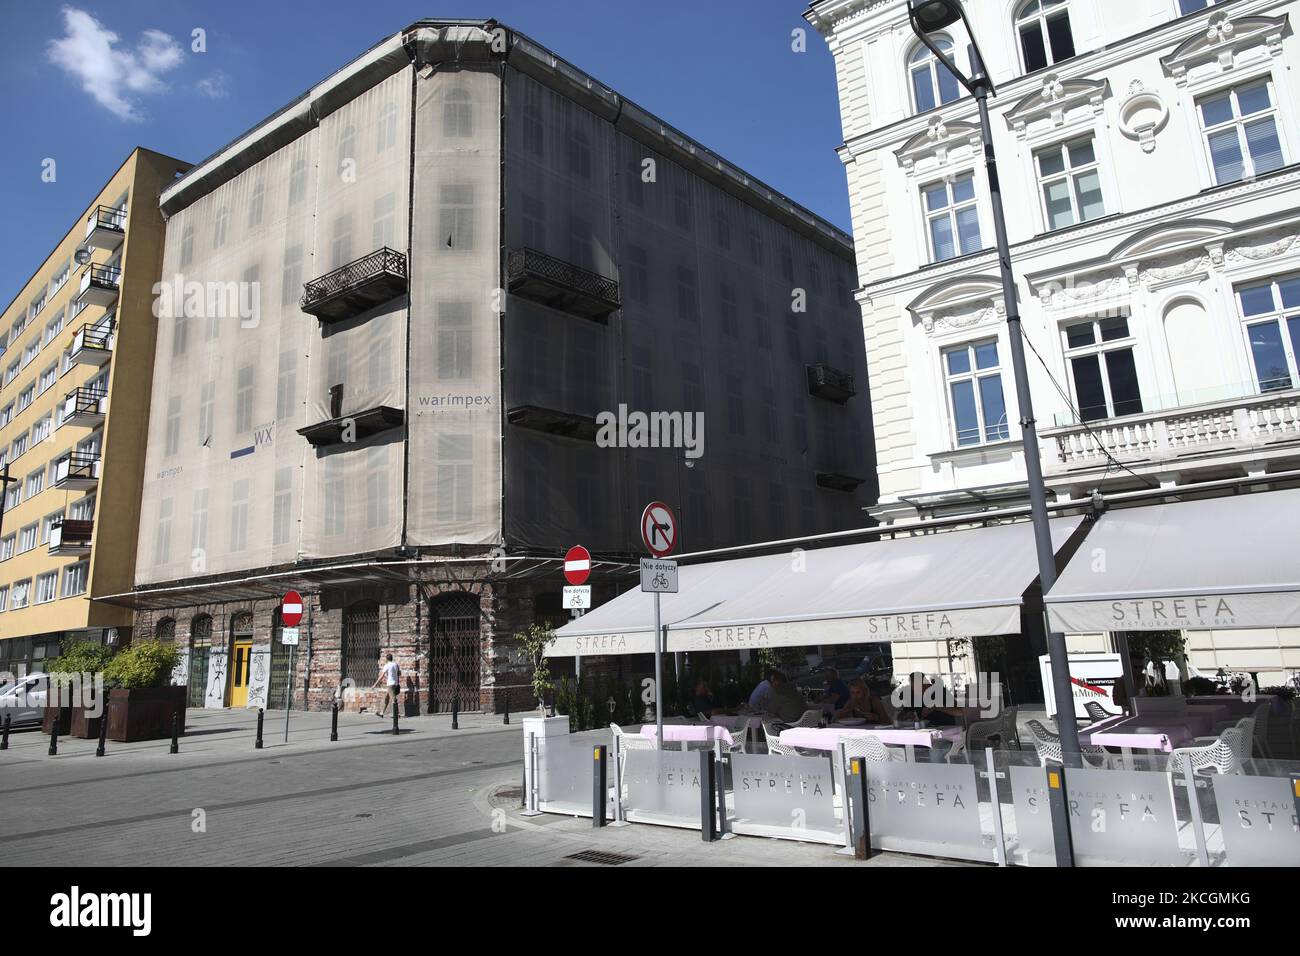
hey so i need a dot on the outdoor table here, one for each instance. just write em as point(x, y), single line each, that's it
point(1127, 734)
point(828, 738)
point(690, 733)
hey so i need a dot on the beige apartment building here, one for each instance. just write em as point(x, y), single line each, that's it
point(76, 365)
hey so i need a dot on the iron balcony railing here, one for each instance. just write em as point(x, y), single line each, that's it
point(828, 382)
point(77, 466)
point(106, 217)
point(84, 401)
point(71, 534)
point(561, 284)
point(99, 336)
point(380, 265)
point(103, 277)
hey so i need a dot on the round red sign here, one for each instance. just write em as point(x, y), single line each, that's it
point(291, 609)
point(658, 529)
point(577, 565)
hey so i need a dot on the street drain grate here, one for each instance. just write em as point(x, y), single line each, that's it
point(362, 815)
point(601, 857)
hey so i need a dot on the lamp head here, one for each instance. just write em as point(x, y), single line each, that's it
point(931, 15)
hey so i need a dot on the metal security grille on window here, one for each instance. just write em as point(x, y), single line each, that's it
point(454, 653)
point(200, 651)
point(361, 644)
point(382, 262)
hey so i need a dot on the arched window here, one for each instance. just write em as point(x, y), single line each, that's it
point(200, 650)
point(165, 630)
point(360, 657)
point(458, 115)
point(932, 83)
point(1045, 34)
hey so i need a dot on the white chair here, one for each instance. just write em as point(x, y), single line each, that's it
point(869, 747)
point(1048, 747)
point(1096, 711)
point(776, 750)
point(1222, 756)
point(810, 718)
point(626, 742)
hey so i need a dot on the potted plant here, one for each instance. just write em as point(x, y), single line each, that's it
point(80, 662)
point(535, 639)
point(142, 702)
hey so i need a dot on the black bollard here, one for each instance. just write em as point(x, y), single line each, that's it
point(507, 720)
point(599, 786)
point(395, 705)
point(334, 721)
point(176, 733)
point(260, 714)
point(455, 713)
point(103, 731)
point(54, 731)
point(4, 734)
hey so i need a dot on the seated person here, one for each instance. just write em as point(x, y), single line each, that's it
point(837, 692)
point(785, 702)
point(758, 699)
point(703, 702)
point(863, 703)
point(914, 693)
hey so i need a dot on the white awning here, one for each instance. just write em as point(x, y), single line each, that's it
point(1211, 563)
point(926, 587)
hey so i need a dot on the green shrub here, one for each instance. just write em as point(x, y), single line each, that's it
point(143, 664)
point(79, 657)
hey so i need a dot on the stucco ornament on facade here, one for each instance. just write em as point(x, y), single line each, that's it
point(1142, 115)
point(1258, 248)
point(1223, 43)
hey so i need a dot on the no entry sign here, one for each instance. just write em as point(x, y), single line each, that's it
point(658, 529)
point(577, 565)
point(291, 609)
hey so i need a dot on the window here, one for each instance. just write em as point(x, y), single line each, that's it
point(29, 353)
point(41, 430)
point(341, 245)
point(187, 244)
point(18, 599)
point(534, 130)
point(455, 340)
point(83, 509)
point(974, 376)
point(298, 181)
point(199, 522)
point(286, 385)
point(47, 378)
point(19, 447)
point(361, 643)
point(335, 493)
point(47, 587)
point(1045, 35)
point(1100, 355)
point(4, 597)
point(74, 578)
point(347, 151)
point(579, 154)
point(11, 372)
point(932, 83)
point(455, 489)
point(384, 222)
point(162, 541)
point(14, 496)
point(207, 396)
point(239, 515)
point(377, 487)
point(533, 222)
point(735, 405)
point(255, 202)
point(1272, 314)
point(7, 547)
point(1240, 127)
point(282, 508)
point(48, 523)
point(386, 127)
point(54, 327)
point(682, 207)
point(35, 483)
point(458, 115)
point(27, 538)
point(1191, 6)
point(729, 309)
point(688, 299)
point(220, 226)
point(244, 399)
point(952, 218)
point(456, 220)
point(291, 276)
point(1071, 183)
point(173, 435)
point(638, 275)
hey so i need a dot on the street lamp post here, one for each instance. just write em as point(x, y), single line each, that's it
point(927, 16)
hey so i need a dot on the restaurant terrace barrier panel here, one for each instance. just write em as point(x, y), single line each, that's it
point(791, 798)
point(564, 772)
point(932, 809)
point(661, 786)
point(1251, 819)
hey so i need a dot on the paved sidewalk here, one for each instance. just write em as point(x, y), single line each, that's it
point(430, 796)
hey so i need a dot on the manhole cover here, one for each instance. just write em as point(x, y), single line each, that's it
point(601, 857)
point(513, 793)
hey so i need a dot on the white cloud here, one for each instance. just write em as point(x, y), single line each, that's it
point(215, 86)
point(89, 52)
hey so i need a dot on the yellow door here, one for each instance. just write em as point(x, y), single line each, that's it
point(239, 672)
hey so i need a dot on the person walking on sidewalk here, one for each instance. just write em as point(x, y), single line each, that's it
point(391, 675)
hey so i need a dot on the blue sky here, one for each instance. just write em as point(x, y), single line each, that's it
point(86, 82)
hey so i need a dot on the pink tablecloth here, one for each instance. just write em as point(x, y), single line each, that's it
point(1139, 733)
point(826, 738)
point(689, 732)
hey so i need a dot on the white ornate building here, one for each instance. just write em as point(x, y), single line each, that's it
point(1148, 152)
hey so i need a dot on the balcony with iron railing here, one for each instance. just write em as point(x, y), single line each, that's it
point(93, 344)
point(561, 285)
point(76, 471)
point(106, 227)
point(85, 406)
point(829, 383)
point(1181, 434)
point(357, 287)
point(99, 285)
point(71, 536)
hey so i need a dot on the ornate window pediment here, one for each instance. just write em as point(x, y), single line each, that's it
point(1165, 238)
point(960, 303)
point(1055, 99)
point(1223, 42)
point(936, 141)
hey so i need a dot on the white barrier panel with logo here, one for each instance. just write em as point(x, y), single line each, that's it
point(1029, 831)
point(565, 773)
point(1257, 817)
point(932, 809)
point(663, 786)
point(786, 797)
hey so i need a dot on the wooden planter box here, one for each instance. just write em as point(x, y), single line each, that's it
point(144, 713)
point(64, 716)
point(85, 727)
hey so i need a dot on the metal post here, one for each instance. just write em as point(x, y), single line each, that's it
point(846, 817)
point(1000, 840)
point(599, 787)
point(1056, 649)
point(103, 728)
point(1059, 804)
point(334, 721)
point(4, 734)
point(507, 720)
point(1194, 806)
point(396, 705)
point(176, 732)
point(257, 744)
point(54, 729)
point(455, 712)
point(288, 694)
point(659, 678)
point(530, 791)
point(619, 756)
point(724, 832)
point(708, 809)
point(861, 816)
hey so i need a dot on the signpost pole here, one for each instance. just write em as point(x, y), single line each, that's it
point(659, 677)
point(288, 696)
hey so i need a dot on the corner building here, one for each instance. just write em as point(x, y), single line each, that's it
point(461, 250)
